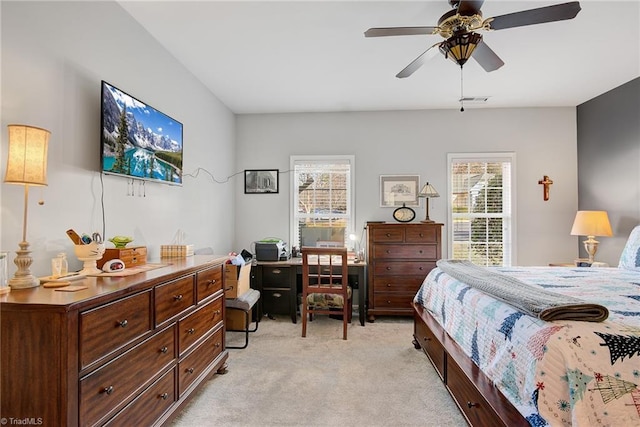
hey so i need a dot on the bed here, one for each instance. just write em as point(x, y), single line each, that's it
point(506, 366)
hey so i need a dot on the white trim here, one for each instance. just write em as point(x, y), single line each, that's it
point(337, 158)
point(484, 157)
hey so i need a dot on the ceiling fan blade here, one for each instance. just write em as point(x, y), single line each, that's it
point(399, 31)
point(558, 12)
point(487, 58)
point(469, 7)
point(417, 63)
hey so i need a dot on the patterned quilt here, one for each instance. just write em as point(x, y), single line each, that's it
point(555, 373)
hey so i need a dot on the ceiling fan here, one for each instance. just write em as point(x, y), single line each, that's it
point(459, 26)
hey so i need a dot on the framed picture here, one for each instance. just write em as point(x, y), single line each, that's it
point(398, 189)
point(261, 181)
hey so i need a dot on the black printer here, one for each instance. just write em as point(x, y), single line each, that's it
point(271, 250)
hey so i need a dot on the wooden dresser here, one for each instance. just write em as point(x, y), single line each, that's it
point(126, 351)
point(399, 257)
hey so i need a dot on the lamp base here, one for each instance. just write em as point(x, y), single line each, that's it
point(591, 246)
point(24, 282)
point(23, 279)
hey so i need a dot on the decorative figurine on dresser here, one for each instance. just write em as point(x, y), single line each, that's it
point(400, 255)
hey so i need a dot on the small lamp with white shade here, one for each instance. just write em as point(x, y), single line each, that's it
point(427, 192)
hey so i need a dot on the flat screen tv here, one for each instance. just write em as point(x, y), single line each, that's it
point(138, 141)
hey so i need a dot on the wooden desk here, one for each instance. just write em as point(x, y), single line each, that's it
point(278, 282)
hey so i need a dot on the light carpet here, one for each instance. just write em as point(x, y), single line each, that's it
point(375, 378)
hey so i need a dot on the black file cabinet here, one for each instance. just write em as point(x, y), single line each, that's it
point(277, 286)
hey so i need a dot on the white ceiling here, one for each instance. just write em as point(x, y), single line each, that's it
point(309, 56)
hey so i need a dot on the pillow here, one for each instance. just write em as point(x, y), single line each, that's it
point(630, 258)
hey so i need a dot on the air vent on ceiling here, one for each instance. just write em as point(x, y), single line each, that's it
point(474, 99)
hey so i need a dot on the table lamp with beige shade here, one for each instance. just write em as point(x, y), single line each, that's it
point(26, 165)
point(591, 224)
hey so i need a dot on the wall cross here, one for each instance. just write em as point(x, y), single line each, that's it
point(546, 182)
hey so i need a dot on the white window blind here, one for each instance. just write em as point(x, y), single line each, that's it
point(481, 208)
point(322, 200)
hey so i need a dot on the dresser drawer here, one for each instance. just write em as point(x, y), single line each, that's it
point(393, 301)
point(275, 277)
point(198, 323)
point(208, 282)
point(407, 268)
point(109, 387)
point(418, 252)
point(110, 327)
point(173, 298)
point(389, 234)
point(471, 403)
point(150, 405)
point(194, 365)
point(431, 346)
point(422, 234)
point(401, 284)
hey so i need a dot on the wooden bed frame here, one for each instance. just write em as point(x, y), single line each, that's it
point(480, 402)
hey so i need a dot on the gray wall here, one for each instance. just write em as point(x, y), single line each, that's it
point(417, 143)
point(54, 55)
point(609, 163)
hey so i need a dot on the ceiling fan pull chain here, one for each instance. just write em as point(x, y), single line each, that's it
point(461, 92)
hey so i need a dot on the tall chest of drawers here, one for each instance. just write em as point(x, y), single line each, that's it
point(399, 257)
point(125, 351)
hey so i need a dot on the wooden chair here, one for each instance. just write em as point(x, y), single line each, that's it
point(325, 287)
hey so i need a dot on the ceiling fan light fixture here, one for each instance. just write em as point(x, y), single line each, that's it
point(460, 47)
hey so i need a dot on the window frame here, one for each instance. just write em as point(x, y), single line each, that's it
point(510, 157)
point(293, 202)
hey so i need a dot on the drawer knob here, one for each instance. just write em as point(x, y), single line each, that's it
point(472, 405)
point(191, 331)
point(420, 251)
point(217, 313)
point(388, 302)
point(277, 294)
point(217, 345)
point(427, 339)
point(421, 268)
point(164, 396)
point(388, 251)
point(178, 297)
point(388, 268)
point(108, 390)
point(211, 282)
point(388, 234)
point(388, 285)
point(123, 323)
point(421, 235)
point(190, 370)
point(164, 349)
point(277, 271)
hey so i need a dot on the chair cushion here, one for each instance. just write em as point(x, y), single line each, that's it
point(321, 301)
point(245, 301)
point(630, 258)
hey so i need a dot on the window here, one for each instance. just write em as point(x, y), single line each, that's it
point(481, 209)
point(322, 200)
